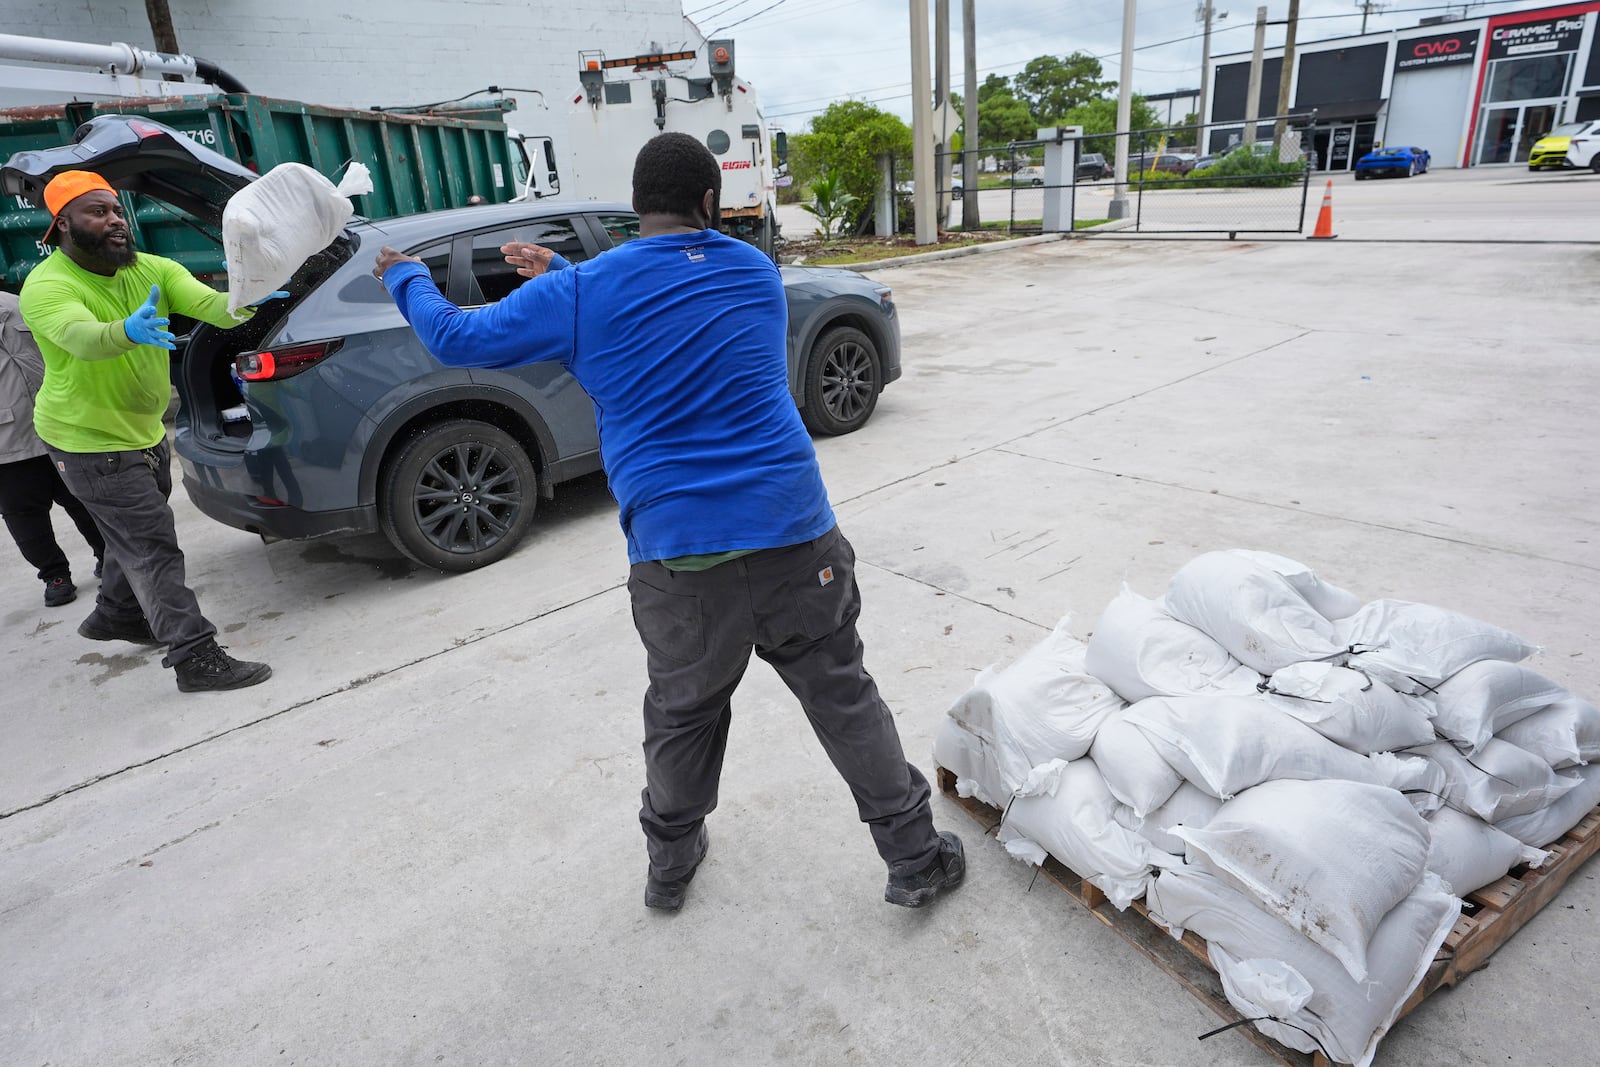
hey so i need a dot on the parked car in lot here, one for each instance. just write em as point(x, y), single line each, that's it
point(325, 415)
point(1403, 161)
point(1568, 146)
point(1028, 176)
point(1164, 162)
point(1092, 167)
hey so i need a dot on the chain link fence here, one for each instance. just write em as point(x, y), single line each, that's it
point(1247, 186)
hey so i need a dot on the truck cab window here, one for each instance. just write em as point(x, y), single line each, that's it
point(493, 278)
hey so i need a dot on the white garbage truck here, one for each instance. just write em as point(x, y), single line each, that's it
point(619, 104)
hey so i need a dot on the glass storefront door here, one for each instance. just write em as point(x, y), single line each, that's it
point(1506, 134)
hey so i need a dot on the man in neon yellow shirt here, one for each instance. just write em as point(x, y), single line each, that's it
point(98, 309)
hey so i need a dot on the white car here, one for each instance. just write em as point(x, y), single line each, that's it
point(1570, 145)
point(1028, 176)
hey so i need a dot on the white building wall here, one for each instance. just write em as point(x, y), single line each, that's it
point(359, 53)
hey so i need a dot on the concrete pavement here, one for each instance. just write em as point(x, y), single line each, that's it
point(418, 842)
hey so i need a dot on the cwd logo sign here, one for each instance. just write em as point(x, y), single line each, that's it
point(1442, 50)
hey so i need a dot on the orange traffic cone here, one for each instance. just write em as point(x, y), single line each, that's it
point(1324, 230)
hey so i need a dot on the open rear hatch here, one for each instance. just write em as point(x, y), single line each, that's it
point(179, 189)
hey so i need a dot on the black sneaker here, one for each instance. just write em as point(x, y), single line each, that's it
point(59, 591)
point(942, 875)
point(668, 896)
point(209, 668)
point(101, 627)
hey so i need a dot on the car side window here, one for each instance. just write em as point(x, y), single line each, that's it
point(620, 229)
point(436, 258)
point(493, 278)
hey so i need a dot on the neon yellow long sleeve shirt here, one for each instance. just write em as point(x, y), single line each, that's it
point(102, 392)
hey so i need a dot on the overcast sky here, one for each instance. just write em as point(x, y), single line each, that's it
point(802, 54)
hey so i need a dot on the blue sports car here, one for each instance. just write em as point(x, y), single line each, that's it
point(1401, 161)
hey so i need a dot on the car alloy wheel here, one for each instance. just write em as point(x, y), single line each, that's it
point(459, 495)
point(843, 379)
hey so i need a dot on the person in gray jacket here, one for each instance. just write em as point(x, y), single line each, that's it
point(29, 483)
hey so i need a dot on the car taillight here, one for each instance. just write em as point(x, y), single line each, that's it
point(272, 365)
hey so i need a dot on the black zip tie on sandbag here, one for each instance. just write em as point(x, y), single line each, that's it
point(1271, 1019)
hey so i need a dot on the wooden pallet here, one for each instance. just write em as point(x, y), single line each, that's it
point(1490, 916)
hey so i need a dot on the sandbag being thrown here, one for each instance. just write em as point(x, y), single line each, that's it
point(276, 223)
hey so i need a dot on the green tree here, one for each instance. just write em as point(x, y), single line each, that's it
point(1052, 86)
point(847, 140)
point(1003, 118)
point(1100, 117)
point(994, 85)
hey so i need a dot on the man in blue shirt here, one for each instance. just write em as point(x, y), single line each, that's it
point(678, 338)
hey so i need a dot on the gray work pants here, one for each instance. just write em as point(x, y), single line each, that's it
point(796, 608)
point(127, 493)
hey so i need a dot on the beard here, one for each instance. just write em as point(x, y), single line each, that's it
point(101, 248)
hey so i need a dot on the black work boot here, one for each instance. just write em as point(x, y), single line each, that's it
point(210, 668)
point(668, 896)
point(102, 627)
point(59, 591)
point(943, 874)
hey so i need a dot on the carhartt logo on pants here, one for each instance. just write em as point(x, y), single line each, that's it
point(824, 576)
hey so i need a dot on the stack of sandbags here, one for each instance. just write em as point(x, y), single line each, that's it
point(1307, 781)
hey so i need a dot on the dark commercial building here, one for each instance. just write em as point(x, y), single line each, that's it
point(1473, 92)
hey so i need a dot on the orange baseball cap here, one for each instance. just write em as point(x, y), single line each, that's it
point(66, 187)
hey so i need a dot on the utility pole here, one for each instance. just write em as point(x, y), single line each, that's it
point(1368, 7)
point(1252, 102)
point(922, 197)
point(941, 103)
point(1281, 127)
point(1204, 15)
point(161, 31)
point(970, 136)
point(1119, 191)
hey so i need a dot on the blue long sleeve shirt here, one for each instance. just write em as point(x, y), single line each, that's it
point(679, 341)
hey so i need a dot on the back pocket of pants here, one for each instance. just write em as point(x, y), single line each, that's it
point(669, 624)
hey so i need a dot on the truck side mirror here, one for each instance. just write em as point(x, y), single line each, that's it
point(554, 179)
point(780, 147)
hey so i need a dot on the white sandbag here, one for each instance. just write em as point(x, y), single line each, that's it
point(1266, 968)
point(1565, 734)
point(1227, 744)
point(1075, 824)
point(1499, 781)
point(1133, 769)
point(1140, 651)
point(1482, 699)
point(972, 761)
point(1415, 647)
point(1251, 610)
point(1345, 706)
point(1329, 858)
point(1042, 706)
point(1550, 824)
point(1330, 601)
point(276, 223)
point(1189, 806)
point(1468, 853)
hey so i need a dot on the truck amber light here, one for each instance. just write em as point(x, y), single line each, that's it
point(276, 365)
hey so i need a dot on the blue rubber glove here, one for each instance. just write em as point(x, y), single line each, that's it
point(279, 294)
point(146, 327)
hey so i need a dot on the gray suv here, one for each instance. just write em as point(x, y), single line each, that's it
point(325, 415)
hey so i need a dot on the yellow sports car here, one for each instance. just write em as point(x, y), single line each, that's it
point(1569, 146)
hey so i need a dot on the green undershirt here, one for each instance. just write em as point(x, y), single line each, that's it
point(703, 562)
